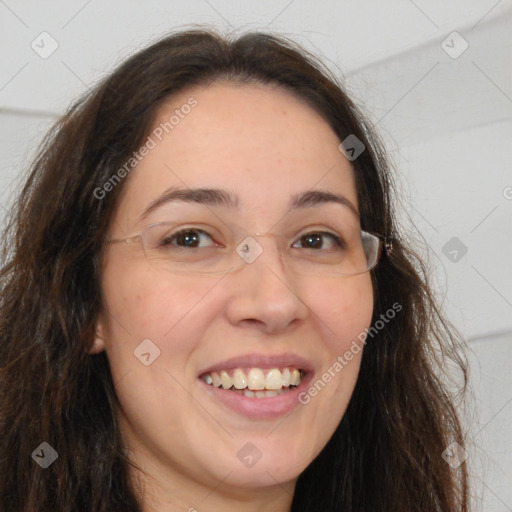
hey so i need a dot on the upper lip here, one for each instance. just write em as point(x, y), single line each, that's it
point(262, 361)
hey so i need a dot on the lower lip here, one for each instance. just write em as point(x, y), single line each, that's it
point(260, 408)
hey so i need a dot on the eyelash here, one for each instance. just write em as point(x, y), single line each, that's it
point(337, 240)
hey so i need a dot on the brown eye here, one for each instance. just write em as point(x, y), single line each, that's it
point(313, 241)
point(188, 238)
point(319, 241)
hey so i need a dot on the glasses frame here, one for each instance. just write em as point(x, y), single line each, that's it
point(385, 245)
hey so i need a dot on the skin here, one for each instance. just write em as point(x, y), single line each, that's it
point(264, 145)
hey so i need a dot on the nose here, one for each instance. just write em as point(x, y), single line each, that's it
point(264, 294)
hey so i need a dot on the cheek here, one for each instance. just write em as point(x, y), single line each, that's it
point(171, 311)
point(343, 314)
point(343, 310)
point(147, 303)
point(174, 315)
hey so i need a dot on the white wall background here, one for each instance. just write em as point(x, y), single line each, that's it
point(446, 119)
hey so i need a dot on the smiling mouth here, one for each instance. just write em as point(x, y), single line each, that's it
point(256, 382)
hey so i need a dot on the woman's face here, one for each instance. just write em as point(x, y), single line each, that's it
point(169, 331)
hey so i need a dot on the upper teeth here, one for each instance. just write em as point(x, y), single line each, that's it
point(255, 379)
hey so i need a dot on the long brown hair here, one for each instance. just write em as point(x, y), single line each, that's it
point(386, 453)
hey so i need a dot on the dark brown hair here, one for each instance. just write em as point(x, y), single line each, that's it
point(386, 452)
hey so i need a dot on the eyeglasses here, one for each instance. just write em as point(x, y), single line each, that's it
point(205, 250)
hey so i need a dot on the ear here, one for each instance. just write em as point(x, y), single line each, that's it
point(99, 338)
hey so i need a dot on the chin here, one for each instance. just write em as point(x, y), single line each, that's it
point(256, 468)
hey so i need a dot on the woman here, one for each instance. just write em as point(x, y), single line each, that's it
point(194, 315)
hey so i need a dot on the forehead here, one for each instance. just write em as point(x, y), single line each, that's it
point(257, 141)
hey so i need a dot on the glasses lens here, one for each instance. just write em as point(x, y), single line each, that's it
point(192, 250)
point(352, 255)
point(371, 246)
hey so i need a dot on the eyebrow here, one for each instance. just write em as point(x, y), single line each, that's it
point(319, 197)
point(219, 197)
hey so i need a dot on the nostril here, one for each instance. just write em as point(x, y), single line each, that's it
point(250, 322)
